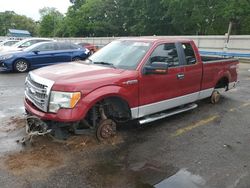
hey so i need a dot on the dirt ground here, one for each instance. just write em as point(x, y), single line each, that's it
point(207, 147)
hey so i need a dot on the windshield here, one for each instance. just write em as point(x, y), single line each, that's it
point(19, 43)
point(32, 47)
point(121, 54)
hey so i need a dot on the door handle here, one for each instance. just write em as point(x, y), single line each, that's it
point(180, 76)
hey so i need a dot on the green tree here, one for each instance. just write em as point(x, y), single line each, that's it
point(50, 23)
point(237, 12)
point(11, 20)
point(155, 17)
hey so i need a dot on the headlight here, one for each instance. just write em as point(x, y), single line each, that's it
point(63, 100)
point(86, 51)
point(4, 57)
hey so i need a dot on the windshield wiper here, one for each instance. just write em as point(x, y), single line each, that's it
point(104, 63)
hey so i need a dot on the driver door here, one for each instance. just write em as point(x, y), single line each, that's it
point(158, 92)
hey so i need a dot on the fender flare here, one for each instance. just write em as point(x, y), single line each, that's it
point(222, 74)
point(89, 100)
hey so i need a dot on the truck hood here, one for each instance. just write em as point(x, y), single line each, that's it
point(72, 76)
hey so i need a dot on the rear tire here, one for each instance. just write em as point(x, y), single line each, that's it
point(76, 59)
point(21, 65)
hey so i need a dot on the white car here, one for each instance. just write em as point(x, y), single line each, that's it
point(23, 44)
point(8, 42)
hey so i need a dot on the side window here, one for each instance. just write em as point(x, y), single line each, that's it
point(46, 47)
point(166, 53)
point(189, 53)
point(74, 46)
point(64, 46)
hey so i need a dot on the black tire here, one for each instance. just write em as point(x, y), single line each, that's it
point(21, 65)
point(76, 59)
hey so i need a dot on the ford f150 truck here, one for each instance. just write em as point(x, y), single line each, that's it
point(135, 78)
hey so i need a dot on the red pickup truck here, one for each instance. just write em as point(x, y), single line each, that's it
point(135, 78)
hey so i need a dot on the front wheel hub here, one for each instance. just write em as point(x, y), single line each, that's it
point(106, 129)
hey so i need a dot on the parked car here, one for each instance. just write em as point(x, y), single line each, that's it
point(92, 48)
point(23, 44)
point(129, 79)
point(42, 54)
point(8, 42)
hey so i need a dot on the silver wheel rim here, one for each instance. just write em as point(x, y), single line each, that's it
point(21, 66)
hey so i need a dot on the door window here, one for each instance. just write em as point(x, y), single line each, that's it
point(46, 47)
point(166, 53)
point(189, 53)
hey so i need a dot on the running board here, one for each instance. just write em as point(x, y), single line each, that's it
point(162, 115)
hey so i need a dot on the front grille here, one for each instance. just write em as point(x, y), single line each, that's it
point(37, 90)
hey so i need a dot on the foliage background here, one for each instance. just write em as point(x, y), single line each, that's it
point(135, 18)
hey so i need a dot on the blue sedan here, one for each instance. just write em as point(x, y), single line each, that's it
point(42, 54)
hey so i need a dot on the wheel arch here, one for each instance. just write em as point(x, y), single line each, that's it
point(76, 57)
point(114, 94)
point(119, 102)
point(222, 82)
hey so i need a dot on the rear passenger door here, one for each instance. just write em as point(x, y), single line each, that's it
point(64, 52)
point(192, 79)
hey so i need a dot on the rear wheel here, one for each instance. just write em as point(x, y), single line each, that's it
point(215, 97)
point(91, 52)
point(76, 59)
point(21, 65)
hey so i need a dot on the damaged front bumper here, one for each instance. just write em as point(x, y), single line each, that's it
point(35, 127)
point(58, 130)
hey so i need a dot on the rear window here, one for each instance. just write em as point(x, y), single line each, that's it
point(46, 47)
point(189, 53)
point(67, 46)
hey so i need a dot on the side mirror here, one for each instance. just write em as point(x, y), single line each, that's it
point(156, 68)
point(36, 51)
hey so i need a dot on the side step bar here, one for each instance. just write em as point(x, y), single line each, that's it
point(168, 113)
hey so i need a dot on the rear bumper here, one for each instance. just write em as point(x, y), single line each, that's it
point(63, 115)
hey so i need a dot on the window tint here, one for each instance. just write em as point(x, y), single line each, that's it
point(9, 43)
point(165, 53)
point(36, 41)
point(189, 53)
point(83, 44)
point(64, 46)
point(74, 46)
point(46, 47)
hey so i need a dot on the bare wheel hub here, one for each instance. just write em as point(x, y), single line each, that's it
point(106, 129)
point(215, 97)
